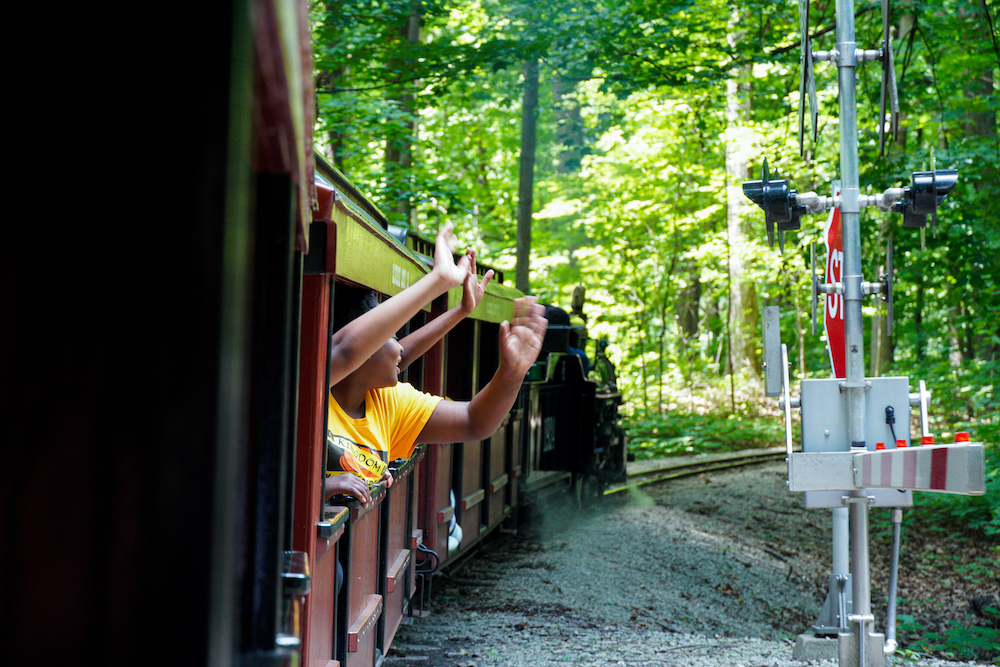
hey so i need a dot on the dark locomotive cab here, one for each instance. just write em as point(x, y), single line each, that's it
point(574, 432)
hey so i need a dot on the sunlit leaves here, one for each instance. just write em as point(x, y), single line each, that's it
point(642, 221)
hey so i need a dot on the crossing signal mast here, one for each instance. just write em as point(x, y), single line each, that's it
point(845, 464)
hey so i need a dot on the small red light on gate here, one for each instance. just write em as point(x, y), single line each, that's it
point(927, 440)
point(900, 443)
point(879, 445)
point(962, 436)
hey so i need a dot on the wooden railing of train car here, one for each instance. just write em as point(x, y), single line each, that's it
point(377, 545)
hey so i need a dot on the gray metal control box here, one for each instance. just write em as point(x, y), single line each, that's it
point(825, 423)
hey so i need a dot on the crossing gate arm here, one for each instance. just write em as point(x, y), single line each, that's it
point(955, 468)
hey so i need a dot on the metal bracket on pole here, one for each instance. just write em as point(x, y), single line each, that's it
point(921, 398)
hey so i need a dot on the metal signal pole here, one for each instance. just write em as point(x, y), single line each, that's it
point(850, 211)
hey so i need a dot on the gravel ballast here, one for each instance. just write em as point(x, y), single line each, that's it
point(721, 569)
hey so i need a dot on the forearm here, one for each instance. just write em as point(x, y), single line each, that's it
point(421, 340)
point(361, 338)
point(488, 408)
point(461, 421)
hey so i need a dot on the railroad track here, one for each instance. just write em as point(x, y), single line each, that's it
point(640, 476)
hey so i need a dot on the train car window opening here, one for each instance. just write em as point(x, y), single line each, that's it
point(325, 451)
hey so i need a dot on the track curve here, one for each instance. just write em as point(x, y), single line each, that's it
point(660, 470)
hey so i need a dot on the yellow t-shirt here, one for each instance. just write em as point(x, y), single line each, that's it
point(394, 417)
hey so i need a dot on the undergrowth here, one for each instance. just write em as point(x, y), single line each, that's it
point(958, 642)
point(680, 434)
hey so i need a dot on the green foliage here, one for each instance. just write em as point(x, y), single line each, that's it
point(638, 104)
point(679, 434)
point(958, 642)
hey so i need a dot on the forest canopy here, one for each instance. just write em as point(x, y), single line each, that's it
point(604, 144)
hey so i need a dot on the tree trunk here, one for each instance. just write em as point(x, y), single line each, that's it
point(918, 314)
point(663, 345)
point(399, 144)
point(336, 139)
point(525, 190)
point(983, 125)
point(688, 304)
point(569, 126)
point(741, 294)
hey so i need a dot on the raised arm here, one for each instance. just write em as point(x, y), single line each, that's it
point(520, 343)
point(361, 338)
point(421, 340)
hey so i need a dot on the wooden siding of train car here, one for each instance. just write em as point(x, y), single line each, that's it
point(319, 648)
point(416, 534)
point(399, 555)
point(318, 612)
point(433, 509)
point(497, 475)
point(495, 454)
point(436, 506)
point(515, 429)
point(462, 381)
point(362, 585)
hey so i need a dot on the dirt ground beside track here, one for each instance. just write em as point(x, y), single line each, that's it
point(722, 569)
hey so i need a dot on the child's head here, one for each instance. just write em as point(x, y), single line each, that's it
point(382, 368)
point(350, 303)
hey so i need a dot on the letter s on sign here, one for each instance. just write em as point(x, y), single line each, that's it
point(834, 302)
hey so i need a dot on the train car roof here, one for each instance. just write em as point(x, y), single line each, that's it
point(367, 254)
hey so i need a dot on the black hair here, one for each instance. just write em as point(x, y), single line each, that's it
point(350, 303)
point(557, 334)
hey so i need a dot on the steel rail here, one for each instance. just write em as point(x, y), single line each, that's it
point(689, 468)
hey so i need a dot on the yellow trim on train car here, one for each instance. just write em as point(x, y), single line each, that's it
point(496, 306)
point(369, 255)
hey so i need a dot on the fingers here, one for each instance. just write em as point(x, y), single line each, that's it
point(471, 254)
point(529, 313)
point(467, 265)
point(445, 230)
point(348, 484)
point(446, 240)
point(360, 490)
point(486, 280)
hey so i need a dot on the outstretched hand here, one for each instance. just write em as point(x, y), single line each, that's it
point(472, 291)
point(444, 259)
point(521, 338)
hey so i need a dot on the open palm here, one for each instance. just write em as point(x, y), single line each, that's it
point(521, 338)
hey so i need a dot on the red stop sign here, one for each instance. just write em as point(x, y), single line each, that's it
point(833, 311)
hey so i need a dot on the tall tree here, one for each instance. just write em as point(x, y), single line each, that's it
point(526, 172)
